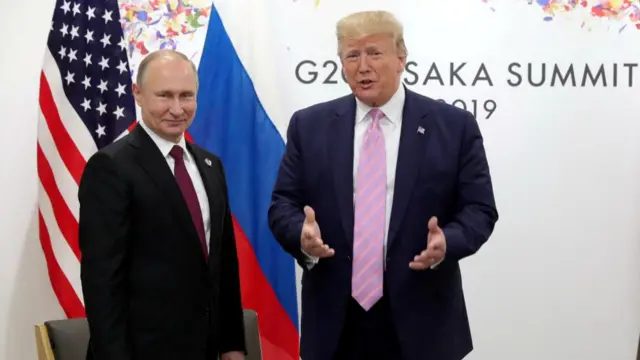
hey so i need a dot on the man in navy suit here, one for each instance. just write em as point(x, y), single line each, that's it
point(379, 195)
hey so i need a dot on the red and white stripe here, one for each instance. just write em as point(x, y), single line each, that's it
point(64, 146)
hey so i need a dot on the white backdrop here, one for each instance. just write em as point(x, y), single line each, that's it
point(560, 278)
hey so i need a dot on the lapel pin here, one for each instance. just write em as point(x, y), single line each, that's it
point(420, 130)
point(207, 161)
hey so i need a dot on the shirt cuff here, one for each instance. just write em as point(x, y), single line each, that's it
point(310, 261)
point(433, 266)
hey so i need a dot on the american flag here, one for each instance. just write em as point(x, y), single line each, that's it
point(85, 104)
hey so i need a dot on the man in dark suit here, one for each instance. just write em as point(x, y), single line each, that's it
point(159, 264)
point(379, 195)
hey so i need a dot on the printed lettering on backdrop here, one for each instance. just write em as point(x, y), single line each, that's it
point(553, 85)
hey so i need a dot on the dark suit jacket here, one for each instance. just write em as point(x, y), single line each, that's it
point(149, 293)
point(441, 172)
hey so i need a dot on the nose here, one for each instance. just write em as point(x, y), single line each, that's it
point(363, 64)
point(176, 107)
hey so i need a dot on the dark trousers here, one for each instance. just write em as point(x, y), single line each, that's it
point(368, 335)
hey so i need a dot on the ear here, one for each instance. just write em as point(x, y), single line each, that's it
point(402, 63)
point(135, 89)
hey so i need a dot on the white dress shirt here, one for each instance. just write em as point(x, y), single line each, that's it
point(165, 147)
point(391, 125)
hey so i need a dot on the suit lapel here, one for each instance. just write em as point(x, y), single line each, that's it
point(155, 165)
point(411, 154)
point(339, 136)
point(211, 179)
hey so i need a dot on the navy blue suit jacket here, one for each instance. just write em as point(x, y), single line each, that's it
point(441, 172)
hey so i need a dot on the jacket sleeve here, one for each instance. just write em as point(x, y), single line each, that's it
point(476, 213)
point(103, 238)
point(231, 312)
point(285, 211)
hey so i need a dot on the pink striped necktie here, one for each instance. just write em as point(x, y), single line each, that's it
point(370, 206)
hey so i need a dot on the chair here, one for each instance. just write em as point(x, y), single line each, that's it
point(68, 339)
point(252, 335)
point(638, 356)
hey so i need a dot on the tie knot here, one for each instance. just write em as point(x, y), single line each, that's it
point(376, 115)
point(177, 152)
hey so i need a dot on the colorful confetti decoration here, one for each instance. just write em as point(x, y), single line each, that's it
point(621, 14)
point(161, 24)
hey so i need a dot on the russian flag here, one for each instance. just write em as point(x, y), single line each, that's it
point(232, 123)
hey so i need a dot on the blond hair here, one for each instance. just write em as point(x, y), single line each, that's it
point(365, 23)
point(158, 54)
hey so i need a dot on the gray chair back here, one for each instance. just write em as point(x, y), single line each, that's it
point(252, 335)
point(638, 356)
point(69, 338)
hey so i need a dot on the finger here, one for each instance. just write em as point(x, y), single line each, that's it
point(418, 265)
point(433, 225)
point(309, 215)
point(434, 257)
point(422, 257)
point(423, 262)
point(322, 251)
point(327, 251)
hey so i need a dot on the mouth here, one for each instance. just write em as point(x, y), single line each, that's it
point(365, 84)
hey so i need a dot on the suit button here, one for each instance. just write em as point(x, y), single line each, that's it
point(207, 311)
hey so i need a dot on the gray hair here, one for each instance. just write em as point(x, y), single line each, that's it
point(159, 54)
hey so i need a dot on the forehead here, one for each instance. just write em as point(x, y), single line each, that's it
point(370, 41)
point(170, 74)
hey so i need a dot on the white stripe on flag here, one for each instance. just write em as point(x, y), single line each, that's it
point(62, 177)
point(67, 260)
point(72, 122)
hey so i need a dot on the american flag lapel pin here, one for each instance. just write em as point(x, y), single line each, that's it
point(420, 130)
point(207, 161)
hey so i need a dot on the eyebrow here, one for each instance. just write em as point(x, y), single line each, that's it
point(167, 91)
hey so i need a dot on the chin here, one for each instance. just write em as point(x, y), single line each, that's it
point(367, 96)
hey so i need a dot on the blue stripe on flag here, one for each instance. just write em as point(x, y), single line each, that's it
point(231, 123)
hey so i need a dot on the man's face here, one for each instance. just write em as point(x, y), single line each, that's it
point(167, 97)
point(372, 67)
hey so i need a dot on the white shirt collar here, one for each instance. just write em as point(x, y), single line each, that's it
point(392, 109)
point(165, 145)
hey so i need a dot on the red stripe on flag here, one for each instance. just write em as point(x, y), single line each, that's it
point(280, 337)
point(67, 296)
point(64, 217)
point(71, 156)
point(132, 126)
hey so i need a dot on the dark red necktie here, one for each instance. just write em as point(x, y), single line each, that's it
point(189, 193)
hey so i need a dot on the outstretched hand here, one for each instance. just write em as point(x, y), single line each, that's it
point(311, 238)
point(436, 248)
